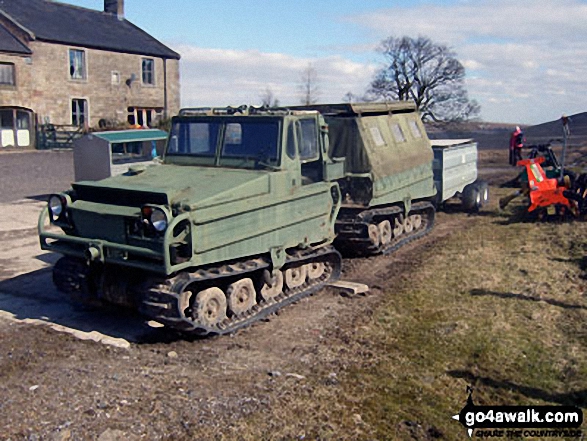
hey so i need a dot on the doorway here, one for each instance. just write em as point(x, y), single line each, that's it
point(16, 127)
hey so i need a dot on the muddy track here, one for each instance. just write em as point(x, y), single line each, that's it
point(170, 387)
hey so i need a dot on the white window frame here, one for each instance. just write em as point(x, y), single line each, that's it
point(115, 77)
point(73, 75)
point(86, 112)
point(155, 115)
point(12, 75)
point(145, 72)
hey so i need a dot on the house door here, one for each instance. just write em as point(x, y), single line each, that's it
point(16, 128)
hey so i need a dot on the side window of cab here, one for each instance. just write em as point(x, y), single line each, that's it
point(291, 141)
point(308, 140)
point(309, 151)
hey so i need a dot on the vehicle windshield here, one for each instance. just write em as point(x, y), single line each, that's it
point(230, 142)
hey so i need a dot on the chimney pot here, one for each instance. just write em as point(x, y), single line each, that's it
point(115, 7)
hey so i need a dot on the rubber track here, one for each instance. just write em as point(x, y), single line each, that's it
point(73, 277)
point(363, 246)
point(160, 299)
point(418, 207)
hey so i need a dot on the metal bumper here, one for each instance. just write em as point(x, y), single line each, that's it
point(98, 250)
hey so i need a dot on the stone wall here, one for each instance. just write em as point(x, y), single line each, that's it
point(43, 84)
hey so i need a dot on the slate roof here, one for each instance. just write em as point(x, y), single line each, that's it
point(8, 43)
point(67, 24)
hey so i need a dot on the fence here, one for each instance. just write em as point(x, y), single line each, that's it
point(53, 136)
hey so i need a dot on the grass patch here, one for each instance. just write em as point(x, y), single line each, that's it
point(498, 305)
point(501, 307)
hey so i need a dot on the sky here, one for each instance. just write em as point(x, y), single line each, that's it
point(526, 61)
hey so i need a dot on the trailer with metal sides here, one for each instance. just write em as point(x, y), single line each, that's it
point(455, 173)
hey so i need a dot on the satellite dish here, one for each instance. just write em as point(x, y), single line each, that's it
point(132, 79)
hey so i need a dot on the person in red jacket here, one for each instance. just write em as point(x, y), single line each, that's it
point(516, 145)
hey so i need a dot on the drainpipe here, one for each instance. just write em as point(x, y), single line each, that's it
point(165, 110)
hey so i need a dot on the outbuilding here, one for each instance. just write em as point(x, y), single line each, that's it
point(100, 155)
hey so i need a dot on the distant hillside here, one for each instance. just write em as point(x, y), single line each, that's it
point(554, 130)
point(494, 136)
point(487, 135)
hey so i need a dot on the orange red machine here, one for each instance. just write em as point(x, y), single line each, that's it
point(550, 194)
point(550, 198)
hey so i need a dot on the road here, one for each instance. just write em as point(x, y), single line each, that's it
point(34, 174)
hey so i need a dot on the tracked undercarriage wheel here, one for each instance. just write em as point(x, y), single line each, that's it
point(385, 232)
point(398, 228)
point(272, 284)
point(417, 221)
point(295, 277)
point(241, 296)
point(373, 231)
point(408, 224)
point(209, 306)
point(315, 270)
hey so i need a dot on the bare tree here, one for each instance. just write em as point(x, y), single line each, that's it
point(308, 88)
point(349, 97)
point(427, 73)
point(268, 99)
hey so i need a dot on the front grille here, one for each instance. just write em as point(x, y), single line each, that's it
point(117, 196)
point(99, 226)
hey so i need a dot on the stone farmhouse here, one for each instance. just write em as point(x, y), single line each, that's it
point(63, 65)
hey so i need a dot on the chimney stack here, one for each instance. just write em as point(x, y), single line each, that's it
point(115, 7)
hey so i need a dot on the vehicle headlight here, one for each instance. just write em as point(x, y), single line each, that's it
point(156, 217)
point(57, 205)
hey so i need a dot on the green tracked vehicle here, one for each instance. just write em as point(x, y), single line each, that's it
point(236, 222)
point(241, 216)
point(388, 187)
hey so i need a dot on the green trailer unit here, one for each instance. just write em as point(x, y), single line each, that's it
point(388, 185)
point(236, 222)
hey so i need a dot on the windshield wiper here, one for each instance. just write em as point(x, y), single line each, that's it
point(260, 163)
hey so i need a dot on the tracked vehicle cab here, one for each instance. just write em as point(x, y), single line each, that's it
point(254, 139)
point(236, 221)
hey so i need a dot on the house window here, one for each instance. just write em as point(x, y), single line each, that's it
point(79, 112)
point(7, 74)
point(144, 117)
point(148, 69)
point(77, 64)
